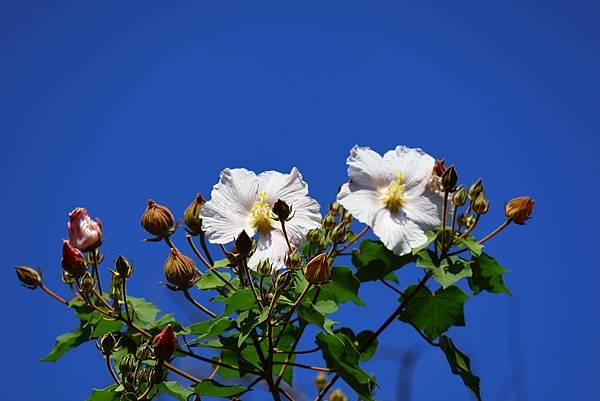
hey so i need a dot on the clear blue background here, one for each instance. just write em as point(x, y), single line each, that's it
point(106, 105)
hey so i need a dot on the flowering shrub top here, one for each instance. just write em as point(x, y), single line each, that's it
point(277, 277)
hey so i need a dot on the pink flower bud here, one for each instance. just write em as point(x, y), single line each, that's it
point(85, 234)
point(164, 343)
point(72, 260)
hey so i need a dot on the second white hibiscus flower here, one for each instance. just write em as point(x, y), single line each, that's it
point(394, 195)
point(242, 200)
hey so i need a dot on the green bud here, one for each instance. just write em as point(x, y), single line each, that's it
point(144, 352)
point(123, 267)
point(264, 268)
point(475, 189)
point(126, 363)
point(87, 283)
point(460, 196)
point(29, 277)
point(293, 261)
point(329, 221)
point(320, 381)
point(339, 233)
point(191, 216)
point(470, 222)
point(481, 204)
point(283, 279)
point(336, 208)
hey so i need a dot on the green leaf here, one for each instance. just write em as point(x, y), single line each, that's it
point(341, 356)
point(221, 263)
point(374, 261)
point(362, 338)
point(343, 287)
point(176, 390)
point(446, 272)
point(248, 320)
point(472, 245)
point(460, 365)
point(238, 301)
point(144, 311)
point(211, 281)
point(312, 315)
point(487, 275)
point(326, 306)
point(213, 389)
point(210, 328)
point(359, 340)
point(104, 394)
point(66, 342)
point(435, 313)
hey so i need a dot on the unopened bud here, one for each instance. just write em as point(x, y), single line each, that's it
point(158, 219)
point(144, 352)
point(29, 277)
point(108, 344)
point(123, 267)
point(180, 270)
point(72, 260)
point(320, 381)
point(318, 270)
point(191, 216)
point(347, 217)
point(66, 278)
point(339, 233)
point(143, 375)
point(244, 244)
point(264, 267)
point(313, 235)
point(329, 221)
point(438, 168)
point(461, 220)
point(87, 283)
point(283, 279)
point(336, 208)
point(164, 343)
point(282, 211)
point(475, 189)
point(470, 221)
point(460, 196)
point(519, 209)
point(126, 363)
point(293, 261)
point(481, 204)
point(449, 179)
point(337, 395)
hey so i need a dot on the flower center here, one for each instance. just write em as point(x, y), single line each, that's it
point(394, 194)
point(261, 213)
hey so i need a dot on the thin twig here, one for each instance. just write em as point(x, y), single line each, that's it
point(356, 238)
point(112, 372)
point(197, 304)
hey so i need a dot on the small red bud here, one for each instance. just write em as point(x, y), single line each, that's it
point(164, 343)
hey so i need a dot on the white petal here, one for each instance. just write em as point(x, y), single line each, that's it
point(415, 164)
point(397, 233)
point(367, 169)
point(363, 204)
point(270, 246)
point(306, 217)
point(292, 189)
point(227, 213)
point(425, 210)
point(282, 186)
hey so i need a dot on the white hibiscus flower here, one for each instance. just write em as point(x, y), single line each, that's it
point(392, 194)
point(243, 200)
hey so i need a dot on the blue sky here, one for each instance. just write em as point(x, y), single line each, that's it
point(106, 105)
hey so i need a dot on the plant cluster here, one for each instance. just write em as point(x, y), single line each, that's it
point(280, 273)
